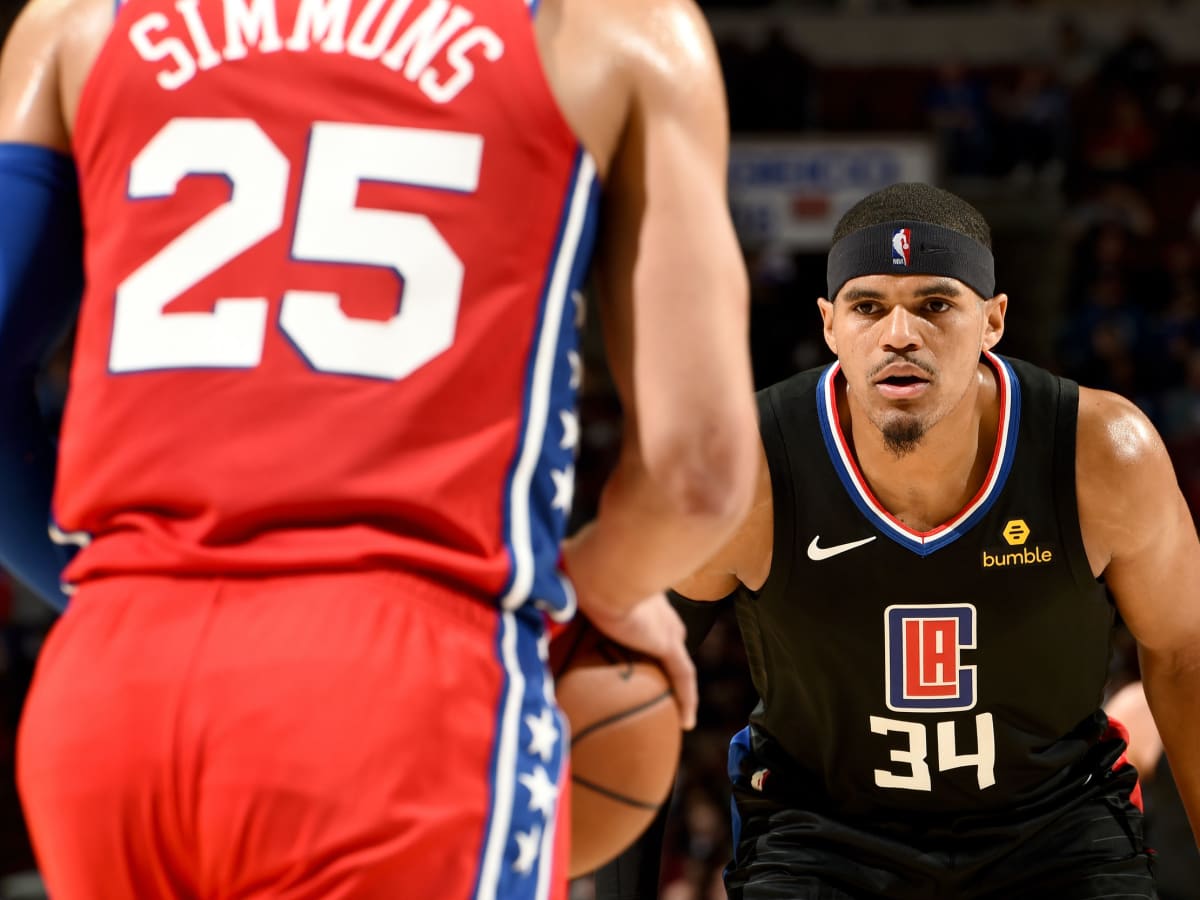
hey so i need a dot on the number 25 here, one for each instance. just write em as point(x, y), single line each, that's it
point(329, 229)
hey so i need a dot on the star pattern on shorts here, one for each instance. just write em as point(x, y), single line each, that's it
point(570, 424)
point(564, 489)
point(575, 361)
point(527, 850)
point(542, 791)
point(543, 734)
point(580, 308)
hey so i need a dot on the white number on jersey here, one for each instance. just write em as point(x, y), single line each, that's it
point(915, 752)
point(330, 228)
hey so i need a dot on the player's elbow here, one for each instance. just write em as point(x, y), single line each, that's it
point(706, 475)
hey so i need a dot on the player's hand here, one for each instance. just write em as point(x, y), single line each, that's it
point(654, 628)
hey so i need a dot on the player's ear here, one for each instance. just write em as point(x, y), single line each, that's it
point(826, 308)
point(994, 311)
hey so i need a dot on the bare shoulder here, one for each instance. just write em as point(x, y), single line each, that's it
point(1124, 477)
point(607, 58)
point(1136, 525)
point(29, 75)
point(46, 57)
point(1114, 436)
point(669, 50)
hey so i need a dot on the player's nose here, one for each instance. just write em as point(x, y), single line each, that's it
point(899, 330)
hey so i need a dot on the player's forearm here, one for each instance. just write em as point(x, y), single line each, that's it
point(1172, 685)
point(647, 535)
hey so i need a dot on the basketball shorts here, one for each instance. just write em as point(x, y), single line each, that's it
point(319, 737)
point(1085, 847)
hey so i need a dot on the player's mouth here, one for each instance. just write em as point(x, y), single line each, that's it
point(902, 382)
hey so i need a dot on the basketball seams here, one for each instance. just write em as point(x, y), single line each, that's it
point(618, 716)
point(614, 796)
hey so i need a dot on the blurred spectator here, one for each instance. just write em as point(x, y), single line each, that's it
point(1034, 136)
point(1077, 55)
point(1111, 203)
point(1137, 63)
point(958, 111)
point(1121, 139)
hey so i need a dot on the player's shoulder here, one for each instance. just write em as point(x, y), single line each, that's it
point(1122, 469)
point(45, 41)
point(35, 34)
point(658, 39)
point(44, 24)
point(1113, 431)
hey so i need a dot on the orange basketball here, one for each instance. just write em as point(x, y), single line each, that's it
point(625, 742)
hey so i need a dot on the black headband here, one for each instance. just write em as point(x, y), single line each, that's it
point(911, 248)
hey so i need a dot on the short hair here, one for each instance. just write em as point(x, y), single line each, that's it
point(914, 201)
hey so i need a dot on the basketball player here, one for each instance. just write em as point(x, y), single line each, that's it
point(921, 588)
point(318, 447)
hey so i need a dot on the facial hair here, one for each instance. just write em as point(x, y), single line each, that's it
point(903, 435)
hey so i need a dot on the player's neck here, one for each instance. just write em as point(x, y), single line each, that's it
point(934, 481)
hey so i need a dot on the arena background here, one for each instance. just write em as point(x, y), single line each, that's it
point(1074, 125)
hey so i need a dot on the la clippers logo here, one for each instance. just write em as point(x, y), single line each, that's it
point(924, 657)
point(902, 247)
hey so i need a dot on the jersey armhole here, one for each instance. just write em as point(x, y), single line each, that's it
point(783, 530)
point(1066, 500)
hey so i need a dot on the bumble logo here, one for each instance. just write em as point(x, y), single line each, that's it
point(1015, 533)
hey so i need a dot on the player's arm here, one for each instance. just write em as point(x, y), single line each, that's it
point(40, 282)
point(1129, 707)
point(698, 599)
point(674, 305)
point(1138, 529)
point(745, 559)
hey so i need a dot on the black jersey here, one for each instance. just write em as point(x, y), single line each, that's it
point(944, 673)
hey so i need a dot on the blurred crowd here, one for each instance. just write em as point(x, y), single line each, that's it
point(1104, 133)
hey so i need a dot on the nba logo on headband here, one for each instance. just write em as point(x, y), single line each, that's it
point(902, 247)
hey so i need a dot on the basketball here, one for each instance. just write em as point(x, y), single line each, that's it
point(625, 742)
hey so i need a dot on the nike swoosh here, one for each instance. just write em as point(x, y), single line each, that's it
point(817, 554)
point(925, 248)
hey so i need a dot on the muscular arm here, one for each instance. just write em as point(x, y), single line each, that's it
point(1138, 531)
point(675, 313)
point(30, 84)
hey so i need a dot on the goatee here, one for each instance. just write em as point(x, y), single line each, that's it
point(901, 438)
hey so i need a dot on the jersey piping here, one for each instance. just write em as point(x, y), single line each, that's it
point(923, 543)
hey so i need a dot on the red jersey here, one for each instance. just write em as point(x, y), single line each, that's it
point(330, 319)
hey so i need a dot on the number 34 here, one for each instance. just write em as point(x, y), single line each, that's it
point(914, 755)
point(330, 228)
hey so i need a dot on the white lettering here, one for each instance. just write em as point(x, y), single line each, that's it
point(438, 50)
point(464, 69)
point(425, 38)
point(254, 24)
point(358, 46)
point(320, 20)
point(206, 53)
point(185, 66)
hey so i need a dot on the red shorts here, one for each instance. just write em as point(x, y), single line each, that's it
point(332, 736)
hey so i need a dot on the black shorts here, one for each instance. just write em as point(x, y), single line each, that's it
point(1085, 848)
